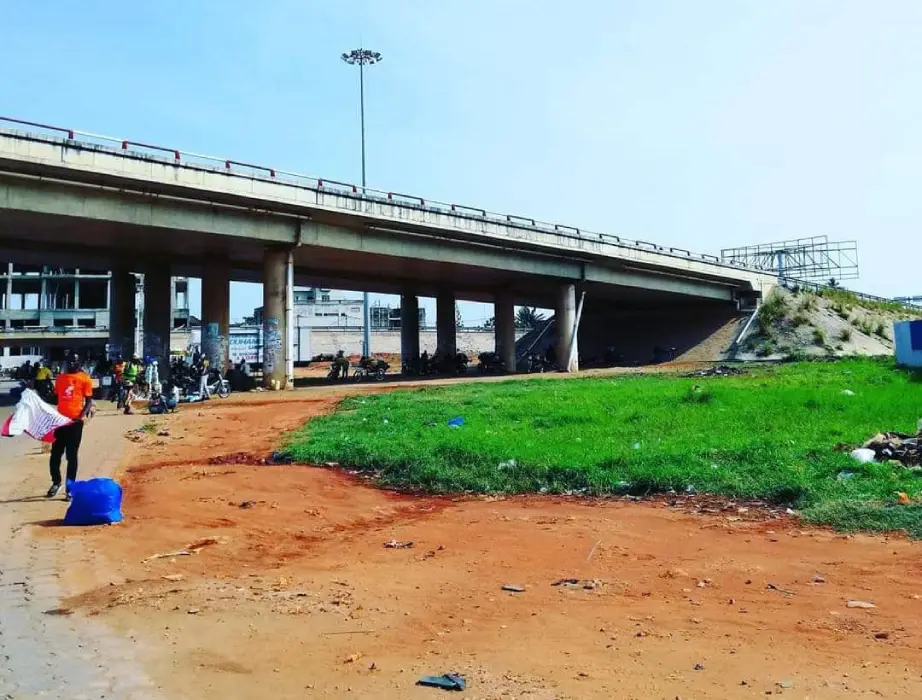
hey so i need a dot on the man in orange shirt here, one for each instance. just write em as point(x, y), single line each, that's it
point(74, 389)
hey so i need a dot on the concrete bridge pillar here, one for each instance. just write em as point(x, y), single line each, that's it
point(158, 316)
point(445, 323)
point(122, 314)
point(565, 315)
point(216, 313)
point(504, 328)
point(275, 318)
point(409, 332)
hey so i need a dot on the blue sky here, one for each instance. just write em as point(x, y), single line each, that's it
point(695, 124)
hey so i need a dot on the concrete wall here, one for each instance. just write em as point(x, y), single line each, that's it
point(328, 341)
point(323, 342)
point(908, 354)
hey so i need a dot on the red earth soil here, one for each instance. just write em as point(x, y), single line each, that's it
point(290, 592)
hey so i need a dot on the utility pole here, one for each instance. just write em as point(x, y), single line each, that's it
point(362, 58)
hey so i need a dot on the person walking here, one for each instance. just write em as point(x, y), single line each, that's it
point(74, 389)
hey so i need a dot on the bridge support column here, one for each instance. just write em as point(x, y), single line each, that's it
point(409, 332)
point(445, 324)
point(504, 328)
point(122, 314)
point(216, 313)
point(275, 318)
point(158, 317)
point(565, 317)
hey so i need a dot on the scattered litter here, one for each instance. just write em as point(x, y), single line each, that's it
point(163, 433)
point(719, 371)
point(352, 658)
point(819, 579)
point(193, 611)
point(785, 684)
point(512, 588)
point(448, 681)
point(566, 581)
point(456, 422)
point(585, 584)
point(699, 667)
point(247, 504)
point(167, 555)
point(394, 544)
point(173, 577)
point(903, 498)
point(205, 542)
point(864, 605)
point(280, 458)
point(636, 445)
point(863, 455)
point(773, 587)
point(882, 635)
point(845, 475)
point(508, 464)
point(59, 612)
point(592, 551)
point(905, 449)
point(189, 550)
point(848, 392)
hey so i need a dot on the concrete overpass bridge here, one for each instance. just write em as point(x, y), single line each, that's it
point(73, 198)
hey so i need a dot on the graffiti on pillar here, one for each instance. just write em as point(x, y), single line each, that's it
point(272, 354)
point(214, 346)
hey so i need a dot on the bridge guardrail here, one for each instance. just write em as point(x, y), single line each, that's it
point(240, 169)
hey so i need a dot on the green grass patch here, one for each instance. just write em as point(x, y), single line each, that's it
point(771, 434)
point(843, 298)
point(773, 310)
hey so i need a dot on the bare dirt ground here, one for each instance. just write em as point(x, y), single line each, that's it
point(290, 592)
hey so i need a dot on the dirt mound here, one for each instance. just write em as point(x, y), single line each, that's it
point(831, 323)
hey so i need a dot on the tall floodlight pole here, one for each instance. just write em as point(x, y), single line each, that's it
point(362, 58)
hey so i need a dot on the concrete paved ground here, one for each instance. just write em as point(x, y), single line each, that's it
point(42, 654)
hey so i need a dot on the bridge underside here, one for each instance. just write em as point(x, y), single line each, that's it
point(49, 222)
point(334, 257)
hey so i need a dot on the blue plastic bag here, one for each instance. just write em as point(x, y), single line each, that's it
point(94, 502)
point(456, 422)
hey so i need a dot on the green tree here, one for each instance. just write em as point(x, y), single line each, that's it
point(528, 317)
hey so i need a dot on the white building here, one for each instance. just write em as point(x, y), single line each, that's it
point(325, 308)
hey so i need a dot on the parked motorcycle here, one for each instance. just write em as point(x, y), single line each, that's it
point(371, 368)
point(490, 363)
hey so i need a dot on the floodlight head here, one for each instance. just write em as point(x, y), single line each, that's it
point(362, 57)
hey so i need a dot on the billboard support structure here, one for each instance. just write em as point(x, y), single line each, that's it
point(809, 259)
